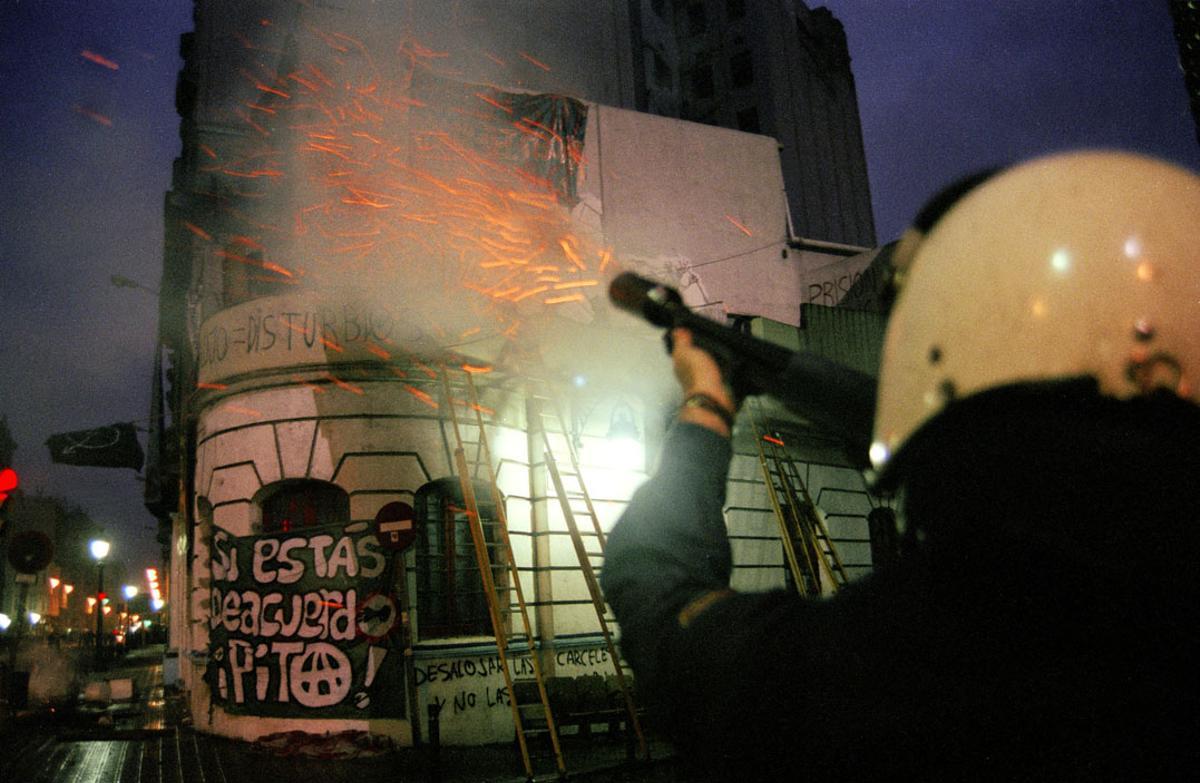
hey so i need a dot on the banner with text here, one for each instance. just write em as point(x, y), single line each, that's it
point(304, 624)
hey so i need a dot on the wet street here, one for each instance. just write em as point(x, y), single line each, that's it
point(137, 731)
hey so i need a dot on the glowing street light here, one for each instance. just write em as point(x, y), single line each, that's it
point(99, 548)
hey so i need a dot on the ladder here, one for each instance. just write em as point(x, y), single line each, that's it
point(808, 547)
point(576, 502)
point(501, 628)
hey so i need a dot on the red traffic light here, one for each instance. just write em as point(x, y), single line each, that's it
point(8, 482)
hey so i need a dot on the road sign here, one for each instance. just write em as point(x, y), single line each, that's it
point(377, 616)
point(395, 527)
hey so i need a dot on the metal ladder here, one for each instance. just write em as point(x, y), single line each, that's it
point(501, 628)
point(809, 549)
point(570, 500)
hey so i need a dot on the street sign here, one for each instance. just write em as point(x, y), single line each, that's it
point(394, 526)
point(30, 551)
point(377, 616)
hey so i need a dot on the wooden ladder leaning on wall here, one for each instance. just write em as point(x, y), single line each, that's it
point(576, 502)
point(809, 549)
point(503, 629)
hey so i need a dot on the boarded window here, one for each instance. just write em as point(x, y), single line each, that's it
point(294, 504)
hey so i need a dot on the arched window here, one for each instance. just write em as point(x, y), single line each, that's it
point(296, 503)
point(450, 594)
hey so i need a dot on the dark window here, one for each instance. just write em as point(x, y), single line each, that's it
point(697, 21)
point(702, 81)
point(735, 9)
point(289, 505)
point(450, 595)
point(662, 71)
point(747, 120)
point(741, 69)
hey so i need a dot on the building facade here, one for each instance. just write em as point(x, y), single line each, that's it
point(384, 308)
point(774, 67)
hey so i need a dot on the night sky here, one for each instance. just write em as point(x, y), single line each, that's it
point(89, 130)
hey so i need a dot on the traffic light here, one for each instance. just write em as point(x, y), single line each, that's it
point(8, 482)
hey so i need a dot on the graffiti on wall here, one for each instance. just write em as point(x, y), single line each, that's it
point(467, 684)
point(303, 624)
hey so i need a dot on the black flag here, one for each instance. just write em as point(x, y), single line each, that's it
point(115, 446)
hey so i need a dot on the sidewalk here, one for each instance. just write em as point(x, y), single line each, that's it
point(148, 739)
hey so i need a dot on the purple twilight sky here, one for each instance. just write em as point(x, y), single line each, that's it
point(89, 130)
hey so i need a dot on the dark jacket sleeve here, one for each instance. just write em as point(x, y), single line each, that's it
point(670, 545)
point(714, 682)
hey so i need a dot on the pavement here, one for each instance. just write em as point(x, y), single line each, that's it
point(136, 730)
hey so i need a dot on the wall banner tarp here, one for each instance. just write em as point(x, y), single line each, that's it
point(305, 625)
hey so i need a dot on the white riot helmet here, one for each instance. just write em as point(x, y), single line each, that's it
point(1080, 265)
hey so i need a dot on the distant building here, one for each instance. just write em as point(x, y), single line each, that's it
point(776, 68)
point(384, 286)
point(1186, 14)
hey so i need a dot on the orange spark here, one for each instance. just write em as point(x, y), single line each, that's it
point(480, 369)
point(485, 411)
point(531, 292)
point(494, 102)
point(605, 257)
point(214, 386)
point(398, 372)
point(541, 65)
point(571, 254)
point(576, 284)
point(495, 59)
point(249, 121)
point(772, 439)
point(247, 241)
point(302, 382)
point(424, 367)
point(350, 387)
point(99, 60)
point(94, 116)
point(296, 78)
point(198, 231)
point(272, 90)
point(256, 107)
point(420, 395)
point(253, 174)
point(207, 150)
point(563, 299)
point(741, 227)
point(320, 75)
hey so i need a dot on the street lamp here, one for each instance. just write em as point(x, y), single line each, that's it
point(130, 592)
point(99, 548)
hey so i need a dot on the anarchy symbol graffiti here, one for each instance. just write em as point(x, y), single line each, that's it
point(92, 440)
point(320, 676)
